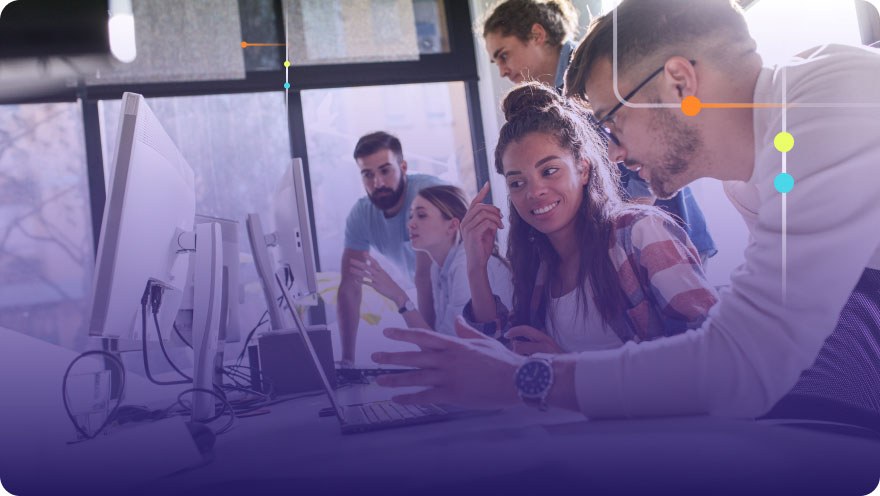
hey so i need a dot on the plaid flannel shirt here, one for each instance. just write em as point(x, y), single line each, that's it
point(665, 289)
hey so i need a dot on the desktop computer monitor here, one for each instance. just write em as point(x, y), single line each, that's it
point(148, 229)
point(150, 203)
point(292, 240)
point(293, 233)
point(230, 320)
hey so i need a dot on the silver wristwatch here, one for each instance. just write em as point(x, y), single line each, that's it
point(534, 379)
point(408, 306)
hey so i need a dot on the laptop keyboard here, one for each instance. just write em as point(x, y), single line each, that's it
point(388, 411)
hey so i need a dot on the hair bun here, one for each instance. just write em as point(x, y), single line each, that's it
point(529, 98)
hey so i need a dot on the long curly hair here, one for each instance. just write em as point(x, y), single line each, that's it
point(535, 108)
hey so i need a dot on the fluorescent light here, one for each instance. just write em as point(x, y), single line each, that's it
point(121, 29)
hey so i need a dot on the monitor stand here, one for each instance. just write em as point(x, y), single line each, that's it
point(207, 303)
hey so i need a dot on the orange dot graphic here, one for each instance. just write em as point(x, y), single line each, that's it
point(691, 106)
point(244, 44)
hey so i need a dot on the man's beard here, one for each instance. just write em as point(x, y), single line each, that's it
point(683, 142)
point(385, 198)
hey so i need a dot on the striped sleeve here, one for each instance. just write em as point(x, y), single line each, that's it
point(673, 272)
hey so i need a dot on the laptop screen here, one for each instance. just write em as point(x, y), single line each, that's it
point(308, 343)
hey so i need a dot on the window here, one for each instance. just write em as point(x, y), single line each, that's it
point(46, 250)
point(182, 41)
point(430, 120)
point(346, 31)
point(432, 124)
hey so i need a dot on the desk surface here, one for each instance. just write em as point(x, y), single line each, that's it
point(524, 451)
point(521, 449)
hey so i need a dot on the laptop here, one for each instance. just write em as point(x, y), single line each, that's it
point(374, 415)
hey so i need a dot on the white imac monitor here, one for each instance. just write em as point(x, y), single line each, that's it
point(294, 257)
point(293, 235)
point(230, 321)
point(146, 235)
point(150, 202)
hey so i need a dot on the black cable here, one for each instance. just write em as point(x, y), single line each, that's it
point(144, 343)
point(156, 293)
point(179, 335)
point(262, 320)
point(233, 377)
point(265, 382)
point(116, 361)
point(236, 377)
point(250, 335)
point(226, 408)
point(164, 351)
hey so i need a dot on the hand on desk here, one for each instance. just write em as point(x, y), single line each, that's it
point(526, 340)
point(475, 371)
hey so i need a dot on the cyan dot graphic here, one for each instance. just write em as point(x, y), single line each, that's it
point(784, 182)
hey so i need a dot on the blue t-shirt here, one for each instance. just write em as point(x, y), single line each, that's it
point(367, 227)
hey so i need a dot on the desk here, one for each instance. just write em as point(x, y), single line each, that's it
point(517, 451)
point(529, 452)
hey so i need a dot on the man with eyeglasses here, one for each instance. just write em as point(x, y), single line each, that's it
point(532, 40)
point(798, 331)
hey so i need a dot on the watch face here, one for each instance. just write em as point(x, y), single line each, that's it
point(534, 378)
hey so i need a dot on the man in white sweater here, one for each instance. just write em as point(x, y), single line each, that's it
point(698, 103)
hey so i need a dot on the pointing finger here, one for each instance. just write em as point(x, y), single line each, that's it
point(481, 195)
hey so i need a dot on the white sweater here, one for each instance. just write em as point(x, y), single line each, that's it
point(754, 346)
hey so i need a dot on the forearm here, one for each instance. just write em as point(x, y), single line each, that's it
point(425, 295)
point(482, 298)
point(348, 314)
point(415, 320)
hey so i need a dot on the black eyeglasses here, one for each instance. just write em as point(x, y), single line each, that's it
point(600, 124)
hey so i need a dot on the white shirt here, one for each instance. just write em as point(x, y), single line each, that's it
point(452, 291)
point(754, 346)
point(578, 328)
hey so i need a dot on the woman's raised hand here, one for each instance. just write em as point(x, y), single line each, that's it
point(478, 229)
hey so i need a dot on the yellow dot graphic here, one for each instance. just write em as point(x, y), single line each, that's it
point(286, 63)
point(784, 142)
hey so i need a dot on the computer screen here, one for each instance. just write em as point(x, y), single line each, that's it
point(150, 203)
point(147, 235)
point(293, 234)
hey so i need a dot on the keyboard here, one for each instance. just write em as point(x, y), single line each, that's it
point(388, 411)
point(362, 376)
